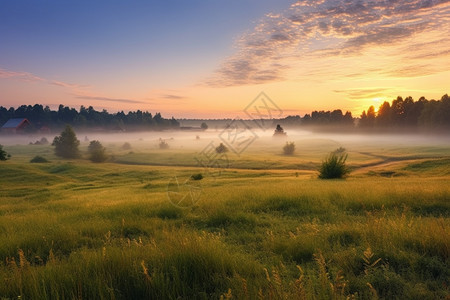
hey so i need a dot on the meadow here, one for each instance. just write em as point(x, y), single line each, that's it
point(264, 227)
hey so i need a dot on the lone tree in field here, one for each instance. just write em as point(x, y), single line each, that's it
point(334, 165)
point(97, 152)
point(204, 126)
point(66, 144)
point(279, 131)
point(3, 154)
point(221, 148)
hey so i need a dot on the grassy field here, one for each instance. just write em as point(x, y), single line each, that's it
point(265, 228)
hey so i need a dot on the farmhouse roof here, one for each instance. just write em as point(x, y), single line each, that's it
point(15, 122)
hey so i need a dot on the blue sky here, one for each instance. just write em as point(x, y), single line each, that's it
point(209, 58)
point(91, 36)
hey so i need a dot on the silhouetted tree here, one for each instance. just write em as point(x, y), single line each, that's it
point(279, 131)
point(384, 115)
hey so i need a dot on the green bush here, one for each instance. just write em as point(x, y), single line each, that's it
point(66, 144)
point(221, 148)
point(3, 154)
point(126, 146)
point(38, 159)
point(198, 176)
point(334, 165)
point(97, 152)
point(289, 148)
point(163, 144)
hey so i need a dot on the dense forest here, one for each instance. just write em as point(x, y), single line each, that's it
point(40, 116)
point(401, 114)
point(407, 113)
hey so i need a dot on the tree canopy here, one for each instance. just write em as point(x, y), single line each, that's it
point(40, 116)
point(399, 114)
point(66, 144)
point(97, 153)
point(407, 113)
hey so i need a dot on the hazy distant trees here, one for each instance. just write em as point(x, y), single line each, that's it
point(368, 119)
point(66, 144)
point(320, 118)
point(3, 154)
point(86, 117)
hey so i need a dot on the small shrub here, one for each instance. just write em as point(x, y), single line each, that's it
point(289, 148)
point(3, 154)
point(97, 152)
point(334, 166)
point(42, 141)
point(163, 144)
point(38, 159)
point(221, 148)
point(198, 176)
point(204, 126)
point(126, 146)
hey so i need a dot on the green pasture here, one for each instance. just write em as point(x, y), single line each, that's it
point(265, 227)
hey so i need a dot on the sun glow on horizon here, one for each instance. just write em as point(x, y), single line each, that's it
point(314, 55)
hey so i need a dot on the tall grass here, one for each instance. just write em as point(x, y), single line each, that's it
point(82, 230)
point(334, 165)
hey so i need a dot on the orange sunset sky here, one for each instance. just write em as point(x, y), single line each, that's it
point(209, 59)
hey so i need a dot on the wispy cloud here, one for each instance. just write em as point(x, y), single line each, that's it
point(98, 98)
point(312, 28)
point(76, 90)
point(23, 76)
point(356, 94)
point(29, 77)
point(67, 85)
point(172, 96)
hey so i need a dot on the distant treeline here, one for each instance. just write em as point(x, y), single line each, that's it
point(400, 114)
point(320, 118)
point(41, 116)
point(407, 113)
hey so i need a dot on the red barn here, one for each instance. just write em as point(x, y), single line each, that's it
point(16, 125)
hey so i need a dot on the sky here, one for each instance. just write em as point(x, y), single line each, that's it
point(212, 58)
